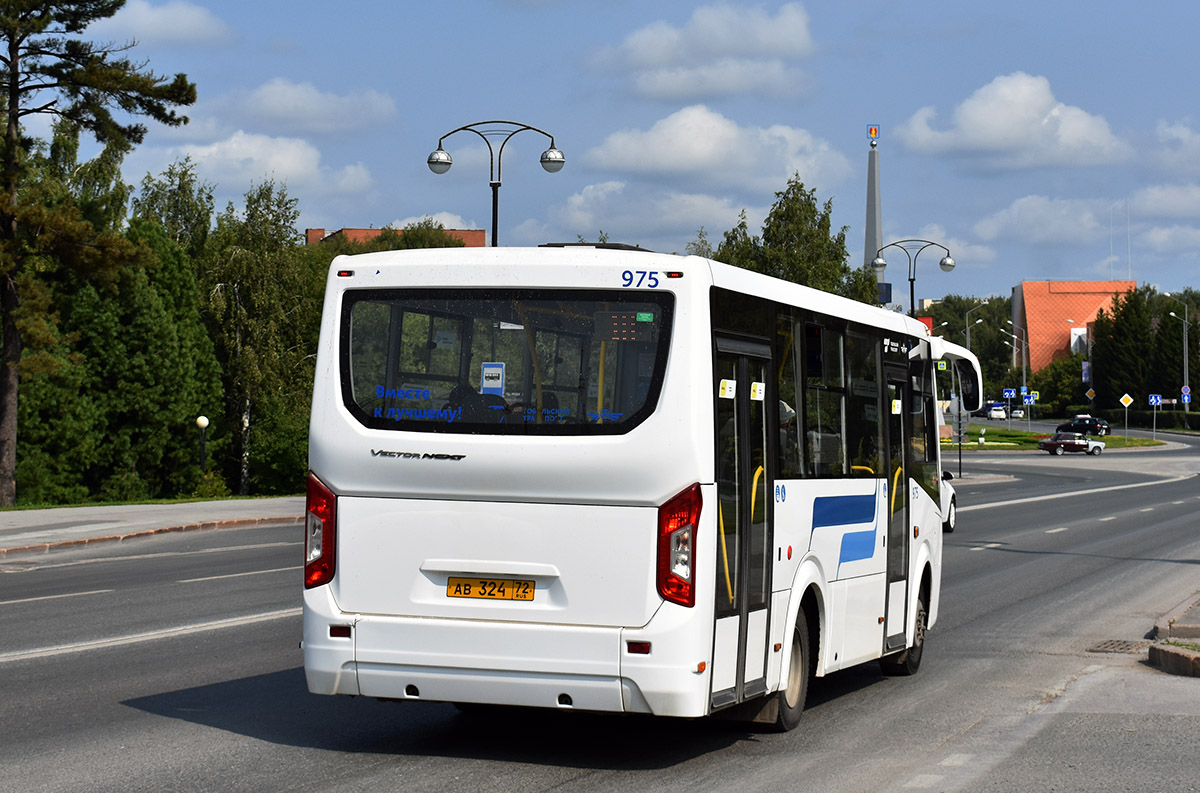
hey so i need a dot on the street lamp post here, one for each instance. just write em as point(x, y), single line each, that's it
point(440, 160)
point(1186, 352)
point(967, 321)
point(202, 423)
point(912, 249)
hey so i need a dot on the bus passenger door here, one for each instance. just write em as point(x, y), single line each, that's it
point(898, 395)
point(743, 554)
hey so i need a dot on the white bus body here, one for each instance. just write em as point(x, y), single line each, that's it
point(577, 477)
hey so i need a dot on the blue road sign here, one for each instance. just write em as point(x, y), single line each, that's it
point(1187, 398)
point(1028, 399)
point(1010, 393)
point(1156, 399)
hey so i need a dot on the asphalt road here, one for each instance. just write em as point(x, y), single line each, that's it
point(171, 663)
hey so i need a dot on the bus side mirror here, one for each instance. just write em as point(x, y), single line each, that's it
point(946, 475)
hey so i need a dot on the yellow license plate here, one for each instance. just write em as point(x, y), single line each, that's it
point(490, 588)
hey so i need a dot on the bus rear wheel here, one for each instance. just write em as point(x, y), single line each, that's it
point(791, 698)
point(908, 661)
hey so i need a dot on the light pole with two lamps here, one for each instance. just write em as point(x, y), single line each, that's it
point(912, 249)
point(967, 320)
point(440, 160)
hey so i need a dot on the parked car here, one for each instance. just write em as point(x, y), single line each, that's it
point(996, 412)
point(1088, 425)
point(949, 503)
point(1063, 442)
point(1018, 413)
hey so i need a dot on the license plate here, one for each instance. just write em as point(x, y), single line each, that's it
point(490, 588)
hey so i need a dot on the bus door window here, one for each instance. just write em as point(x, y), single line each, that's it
point(743, 553)
point(898, 399)
point(923, 430)
point(864, 425)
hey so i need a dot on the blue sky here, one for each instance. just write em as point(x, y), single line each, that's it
point(1036, 140)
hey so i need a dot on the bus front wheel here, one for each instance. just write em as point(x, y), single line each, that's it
point(791, 698)
point(909, 661)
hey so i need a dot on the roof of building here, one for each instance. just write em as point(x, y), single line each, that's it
point(1049, 304)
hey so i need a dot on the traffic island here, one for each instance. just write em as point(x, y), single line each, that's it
point(1177, 650)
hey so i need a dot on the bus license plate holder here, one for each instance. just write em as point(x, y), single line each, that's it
point(490, 588)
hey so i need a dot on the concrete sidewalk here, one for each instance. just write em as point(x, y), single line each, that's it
point(34, 530)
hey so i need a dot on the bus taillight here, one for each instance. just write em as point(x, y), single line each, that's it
point(677, 522)
point(320, 533)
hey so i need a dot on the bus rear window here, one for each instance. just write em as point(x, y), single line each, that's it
point(503, 361)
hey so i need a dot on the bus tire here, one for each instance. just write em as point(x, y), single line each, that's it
point(792, 696)
point(951, 517)
point(908, 661)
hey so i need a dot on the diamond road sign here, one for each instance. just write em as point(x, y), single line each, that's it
point(1091, 393)
point(1127, 400)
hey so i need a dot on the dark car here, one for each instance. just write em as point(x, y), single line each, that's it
point(1088, 425)
point(1063, 442)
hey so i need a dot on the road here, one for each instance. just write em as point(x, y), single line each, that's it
point(171, 663)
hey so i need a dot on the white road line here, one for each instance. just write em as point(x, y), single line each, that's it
point(149, 636)
point(56, 597)
point(1059, 496)
point(1146, 509)
point(239, 575)
point(1110, 517)
point(986, 547)
point(1056, 531)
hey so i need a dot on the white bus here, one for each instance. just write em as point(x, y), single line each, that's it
point(605, 479)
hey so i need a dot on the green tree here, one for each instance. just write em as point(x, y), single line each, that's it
point(1123, 349)
point(180, 203)
point(47, 68)
point(798, 244)
point(1060, 385)
point(701, 246)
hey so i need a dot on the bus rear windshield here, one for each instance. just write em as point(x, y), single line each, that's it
point(504, 361)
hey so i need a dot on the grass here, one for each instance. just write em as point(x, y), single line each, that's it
point(1193, 646)
point(1003, 437)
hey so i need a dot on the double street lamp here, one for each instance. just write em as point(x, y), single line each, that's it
point(912, 249)
point(440, 160)
point(967, 320)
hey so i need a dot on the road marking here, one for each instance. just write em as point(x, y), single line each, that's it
point(1058, 496)
point(33, 566)
point(1110, 517)
point(922, 781)
point(1146, 509)
point(986, 547)
point(239, 575)
point(1178, 502)
point(956, 760)
point(149, 636)
point(1056, 531)
point(56, 597)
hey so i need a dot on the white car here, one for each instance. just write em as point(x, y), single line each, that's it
point(949, 503)
point(997, 412)
point(1018, 413)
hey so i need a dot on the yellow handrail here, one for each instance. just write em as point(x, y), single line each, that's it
point(724, 550)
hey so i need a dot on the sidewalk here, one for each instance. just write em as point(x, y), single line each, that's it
point(34, 530)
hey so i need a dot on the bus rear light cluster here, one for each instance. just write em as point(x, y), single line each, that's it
point(677, 523)
point(320, 534)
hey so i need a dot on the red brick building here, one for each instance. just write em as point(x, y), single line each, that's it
point(1041, 310)
point(472, 238)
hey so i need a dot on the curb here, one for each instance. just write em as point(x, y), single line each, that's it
point(46, 547)
point(1169, 658)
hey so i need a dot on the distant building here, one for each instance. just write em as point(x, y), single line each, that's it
point(1040, 310)
point(472, 238)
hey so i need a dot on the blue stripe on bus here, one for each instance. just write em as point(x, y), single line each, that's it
point(847, 511)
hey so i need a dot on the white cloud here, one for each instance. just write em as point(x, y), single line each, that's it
point(302, 107)
point(1015, 122)
point(1172, 201)
point(1172, 239)
point(174, 23)
point(965, 254)
point(243, 158)
point(1041, 220)
point(722, 50)
point(698, 144)
point(1181, 148)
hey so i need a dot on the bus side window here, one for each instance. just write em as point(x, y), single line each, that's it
point(824, 402)
point(787, 351)
point(864, 429)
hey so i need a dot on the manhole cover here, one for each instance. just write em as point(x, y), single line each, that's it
point(1119, 646)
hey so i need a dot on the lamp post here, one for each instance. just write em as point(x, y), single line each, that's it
point(202, 423)
point(1186, 351)
point(912, 249)
point(1024, 351)
point(440, 160)
point(967, 321)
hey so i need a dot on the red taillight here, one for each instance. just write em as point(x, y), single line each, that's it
point(677, 523)
point(320, 534)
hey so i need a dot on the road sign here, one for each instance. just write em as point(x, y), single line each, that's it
point(1010, 393)
point(1024, 389)
point(1126, 400)
point(1029, 399)
point(1187, 390)
point(1156, 399)
point(1187, 398)
point(1091, 393)
point(1036, 395)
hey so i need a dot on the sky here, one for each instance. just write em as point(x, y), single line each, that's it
point(1035, 140)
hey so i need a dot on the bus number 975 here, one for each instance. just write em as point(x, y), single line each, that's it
point(639, 278)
